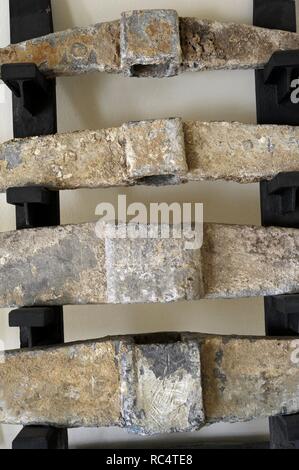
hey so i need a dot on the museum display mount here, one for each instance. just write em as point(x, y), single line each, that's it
point(37, 207)
point(279, 202)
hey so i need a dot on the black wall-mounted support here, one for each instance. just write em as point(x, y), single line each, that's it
point(276, 14)
point(282, 315)
point(35, 206)
point(279, 197)
point(39, 326)
point(34, 97)
point(34, 113)
point(284, 432)
point(29, 86)
point(41, 438)
point(280, 200)
point(280, 72)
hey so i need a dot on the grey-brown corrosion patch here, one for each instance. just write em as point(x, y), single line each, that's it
point(249, 261)
point(11, 153)
point(52, 266)
point(150, 43)
point(155, 151)
point(213, 45)
point(71, 52)
point(164, 365)
point(162, 387)
point(48, 270)
point(247, 378)
point(141, 270)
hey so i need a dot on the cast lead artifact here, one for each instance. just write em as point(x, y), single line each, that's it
point(165, 151)
point(71, 265)
point(151, 43)
point(156, 384)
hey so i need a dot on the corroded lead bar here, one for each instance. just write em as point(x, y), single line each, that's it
point(156, 384)
point(71, 265)
point(165, 151)
point(151, 43)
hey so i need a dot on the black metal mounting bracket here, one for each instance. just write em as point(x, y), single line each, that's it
point(285, 432)
point(34, 99)
point(35, 206)
point(280, 72)
point(273, 83)
point(39, 326)
point(29, 85)
point(41, 438)
point(279, 200)
point(282, 315)
point(34, 96)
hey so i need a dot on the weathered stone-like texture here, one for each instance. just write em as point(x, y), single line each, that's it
point(64, 161)
point(76, 385)
point(139, 271)
point(72, 52)
point(249, 378)
point(245, 261)
point(150, 43)
point(147, 44)
point(165, 151)
point(154, 384)
point(244, 153)
point(161, 387)
point(61, 265)
point(156, 150)
point(71, 265)
point(211, 45)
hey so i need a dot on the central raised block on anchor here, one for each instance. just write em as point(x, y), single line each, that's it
point(150, 43)
point(155, 151)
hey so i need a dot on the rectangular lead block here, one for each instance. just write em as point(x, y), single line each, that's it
point(162, 389)
point(163, 143)
point(150, 43)
point(150, 269)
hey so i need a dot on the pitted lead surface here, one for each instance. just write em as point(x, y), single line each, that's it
point(151, 43)
point(155, 399)
point(152, 270)
point(71, 265)
point(156, 152)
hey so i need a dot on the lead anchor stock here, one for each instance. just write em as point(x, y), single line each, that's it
point(151, 43)
point(149, 384)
